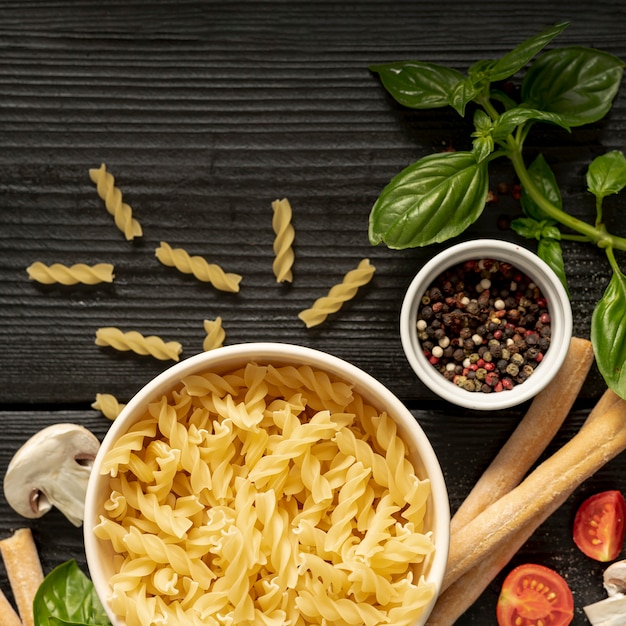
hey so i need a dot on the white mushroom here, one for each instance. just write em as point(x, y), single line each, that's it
point(52, 469)
point(612, 610)
point(615, 578)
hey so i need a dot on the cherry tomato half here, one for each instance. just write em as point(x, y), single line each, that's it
point(534, 594)
point(599, 525)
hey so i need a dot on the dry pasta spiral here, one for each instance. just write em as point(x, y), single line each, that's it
point(215, 334)
point(237, 500)
point(71, 275)
point(138, 343)
point(108, 405)
point(112, 196)
point(338, 294)
point(199, 267)
point(283, 250)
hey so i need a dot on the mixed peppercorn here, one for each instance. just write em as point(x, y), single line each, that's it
point(484, 325)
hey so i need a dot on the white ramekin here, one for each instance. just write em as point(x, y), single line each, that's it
point(558, 306)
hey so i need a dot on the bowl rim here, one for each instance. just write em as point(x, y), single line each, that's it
point(558, 305)
point(226, 358)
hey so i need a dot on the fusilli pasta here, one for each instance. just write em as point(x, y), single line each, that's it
point(108, 405)
point(215, 334)
point(249, 498)
point(338, 294)
point(112, 196)
point(71, 275)
point(138, 343)
point(199, 267)
point(283, 250)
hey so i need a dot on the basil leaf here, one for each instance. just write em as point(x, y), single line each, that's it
point(419, 85)
point(482, 147)
point(544, 179)
point(527, 227)
point(66, 595)
point(607, 174)
point(577, 83)
point(549, 249)
point(532, 229)
point(517, 58)
point(430, 201)
point(463, 94)
point(511, 119)
point(608, 334)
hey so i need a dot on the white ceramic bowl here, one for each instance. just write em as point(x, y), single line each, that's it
point(558, 307)
point(100, 554)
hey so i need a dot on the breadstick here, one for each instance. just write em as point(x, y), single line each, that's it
point(543, 419)
point(461, 594)
point(23, 567)
point(601, 438)
point(8, 616)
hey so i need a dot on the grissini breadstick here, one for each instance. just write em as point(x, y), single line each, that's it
point(8, 617)
point(23, 567)
point(462, 593)
point(601, 438)
point(543, 419)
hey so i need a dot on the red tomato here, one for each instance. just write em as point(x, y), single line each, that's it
point(533, 594)
point(599, 525)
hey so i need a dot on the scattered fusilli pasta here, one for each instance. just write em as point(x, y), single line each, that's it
point(215, 334)
point(112, 196)
point(338, 294)
point(108, 405)
point(268, 495)
point(199, 267)
point(284, 231)
point(138, 343)
point(71, 275)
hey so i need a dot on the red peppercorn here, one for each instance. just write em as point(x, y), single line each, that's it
point(539, 357)
point(544, 318)
point(433, 360)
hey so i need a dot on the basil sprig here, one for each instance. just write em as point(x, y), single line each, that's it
point(440, 195)
point(66, 596)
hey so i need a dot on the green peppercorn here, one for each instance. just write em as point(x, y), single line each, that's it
point(512, 369)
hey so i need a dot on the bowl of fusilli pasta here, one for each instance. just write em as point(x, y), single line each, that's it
point(266, 483)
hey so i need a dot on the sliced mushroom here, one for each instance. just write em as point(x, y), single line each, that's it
point(52, 469)
point(612, 610)
point(615, 578)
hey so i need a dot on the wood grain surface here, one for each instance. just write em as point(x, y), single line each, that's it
point(206, 112)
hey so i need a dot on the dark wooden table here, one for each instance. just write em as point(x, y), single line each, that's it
point(205, 113)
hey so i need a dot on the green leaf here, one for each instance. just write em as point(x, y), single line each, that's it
point(608, 334)
point(511, 119)
point(430, 201)
point(527, 227)
point(66, 595)
point(419, 85)
point(482, 147)
point(517, 58)
point(549, 249)
point(544, 179)
point(577, 83)
point(607, 174)
point(463, 94)
point(532, 229)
